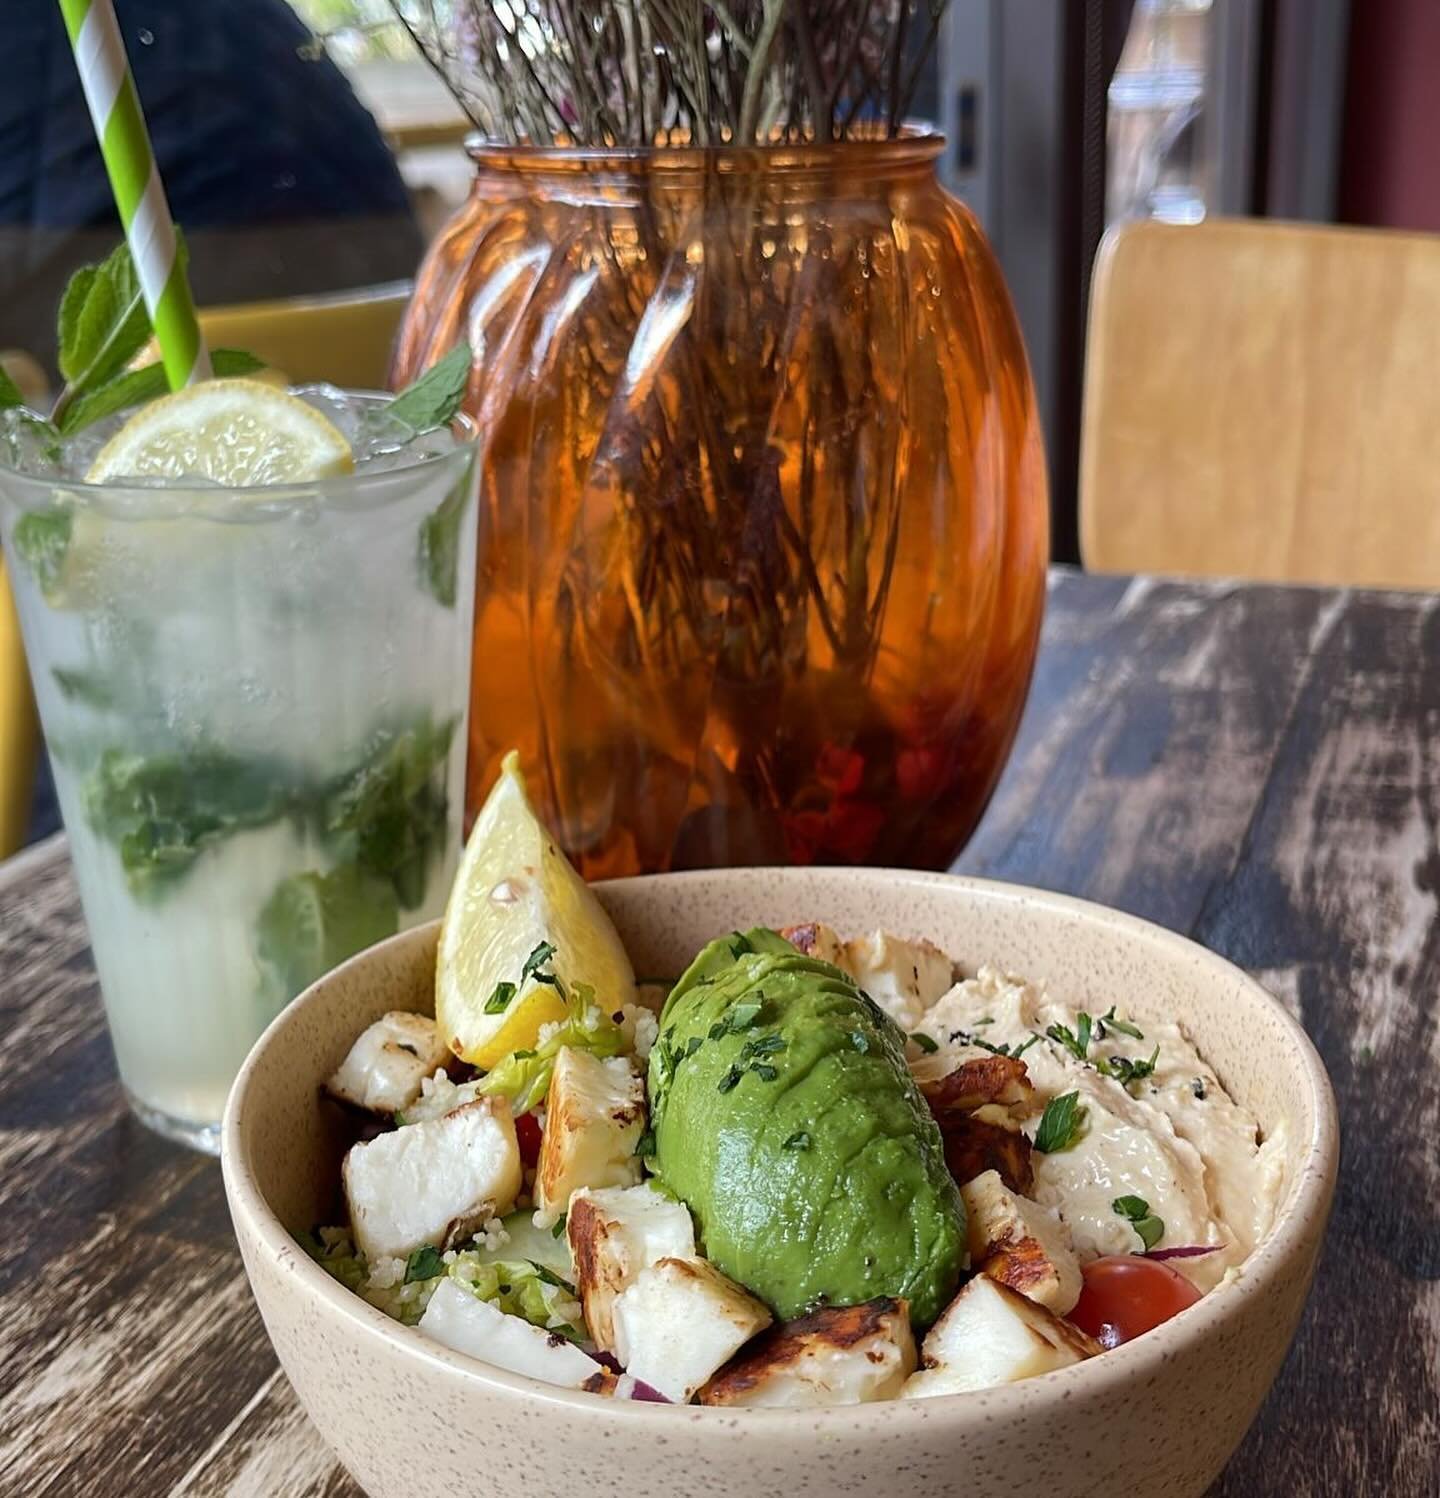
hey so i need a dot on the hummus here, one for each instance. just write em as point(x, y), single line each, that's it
point(1173, 1137)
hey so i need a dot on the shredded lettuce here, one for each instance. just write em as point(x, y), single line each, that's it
point(524, 1076)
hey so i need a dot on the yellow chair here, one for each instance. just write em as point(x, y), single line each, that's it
point(19, 730)
point(345, 339)
point(1259, 402)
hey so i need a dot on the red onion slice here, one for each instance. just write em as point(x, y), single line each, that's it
point(1194, 1251)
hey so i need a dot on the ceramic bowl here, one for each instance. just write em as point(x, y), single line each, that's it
point(1159, 1415)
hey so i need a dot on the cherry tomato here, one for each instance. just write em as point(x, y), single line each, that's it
point(1125, 1295)
point(527, 1136)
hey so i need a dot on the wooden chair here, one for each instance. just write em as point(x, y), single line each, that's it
point(1260, 401)
point(345, 339)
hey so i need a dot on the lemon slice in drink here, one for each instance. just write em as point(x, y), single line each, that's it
point(234, 432)
point(516, 890)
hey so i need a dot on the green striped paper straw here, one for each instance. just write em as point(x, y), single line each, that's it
point(125, 145)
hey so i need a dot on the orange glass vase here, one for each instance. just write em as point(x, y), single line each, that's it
point(764, 522)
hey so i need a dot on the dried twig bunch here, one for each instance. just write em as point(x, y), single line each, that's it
point(661, 72)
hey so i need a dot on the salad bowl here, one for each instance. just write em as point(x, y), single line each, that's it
point(1157, 1416)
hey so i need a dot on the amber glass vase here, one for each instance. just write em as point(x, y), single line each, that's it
point(764, 522)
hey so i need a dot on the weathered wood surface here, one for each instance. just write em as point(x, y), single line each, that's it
point(1258, 767)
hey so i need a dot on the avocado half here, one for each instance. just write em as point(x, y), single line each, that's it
point(786, 1119)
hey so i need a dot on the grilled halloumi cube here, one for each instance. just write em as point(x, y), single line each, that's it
point(615, 1234)
point(1020, 1243)
point(470, 1325)
point(989, 1335)
point(433, 1182)
point(384, 1068)
point(815, 939)
point(679, 1321)
point(903, 977)
point(594, 1117)
point(837, 1355)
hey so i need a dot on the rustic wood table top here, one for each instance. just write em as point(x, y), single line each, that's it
point(1256, 767)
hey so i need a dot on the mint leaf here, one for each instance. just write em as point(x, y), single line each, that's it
point(424, 1264)
point(103, 322)
point(537, 959)
point(435, 398)
point(499, 1001)
point(1125, 1070)
point(1061, 1124)
point(314, 921)
point(10, 394)
point(94, 689)
point(162, 812)
point(137, 386)
point(391, 811)
point(42, 537)
point(440, 535)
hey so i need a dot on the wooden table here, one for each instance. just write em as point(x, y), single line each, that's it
point(1258, 767)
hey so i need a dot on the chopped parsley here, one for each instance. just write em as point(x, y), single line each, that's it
point(730, 1079)
point(536, 960)
point(499, 1001)
point(1108, 1021)
point(1126, 1070)
point(1076, 1041)
point(860, 1041)
point(1136, 1211)
point(926, 1043)
point(693, 1044)
point(551, 1278)
point(645, 1144)
point(799, 1140)
point(743, 1015)
point(1061, 1124)
point(766, 1045)
point(423, 1264)
point(558, 1231)
point(765, 1071)
point(739, 945)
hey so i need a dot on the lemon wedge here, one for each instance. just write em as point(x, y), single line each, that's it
point(234, 432)
point(516, 890)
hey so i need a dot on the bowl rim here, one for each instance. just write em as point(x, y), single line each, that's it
point(1296, 1232)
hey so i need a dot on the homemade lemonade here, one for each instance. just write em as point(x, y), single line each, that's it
point(253, 699)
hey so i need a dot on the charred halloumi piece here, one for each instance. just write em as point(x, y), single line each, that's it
point(990, 1335)
point(1020, 1243)
point(837, 1355)
point(903, 977)
point(815, 939)
point(679, 1321)
point(594, 1117)
point(433, 1182)
point(615, 1234)
point(982, 1082)
point(473, 1326)
point(384, 1068)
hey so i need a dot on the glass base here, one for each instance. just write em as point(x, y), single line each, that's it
point(196, 1136)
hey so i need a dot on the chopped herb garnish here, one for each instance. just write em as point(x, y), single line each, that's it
point(926, 1043)
point(645, 1144)
point(799, 1140)
point(718, 1029)
point(693, 1044)
point(730, 1079)
point(1198, 1088)
point(499, 1001)
point(423, 1264)
point(860, 1041)
point(536, 960)
point(743, 1015)
point(1061, 1124)
point(740, 945)
point(524, 1055)
point(988, 1020)
point(1136, 1211)
point(1122, 1027)
point(1020, 1050)
point(1064, 1035)
point(1125, 1070)
point(765, 1045)
point(551, 1278)
point(558, 1231)
point(765, 1071)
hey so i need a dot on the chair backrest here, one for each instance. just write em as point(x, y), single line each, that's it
point(19, 732)
point(345, 339)
point(1261, 401)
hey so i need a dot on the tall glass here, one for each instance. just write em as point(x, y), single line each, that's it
point(254, 704)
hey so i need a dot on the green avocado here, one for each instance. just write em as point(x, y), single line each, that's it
point(786, 1119)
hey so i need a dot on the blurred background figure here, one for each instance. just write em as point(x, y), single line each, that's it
point(278, 174)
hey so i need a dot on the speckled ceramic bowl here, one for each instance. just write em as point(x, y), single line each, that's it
point(1157, 1416)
